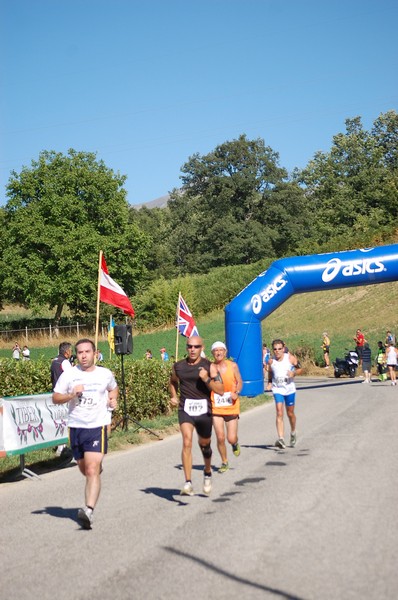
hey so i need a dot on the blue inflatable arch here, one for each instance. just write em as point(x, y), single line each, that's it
point(295, 275)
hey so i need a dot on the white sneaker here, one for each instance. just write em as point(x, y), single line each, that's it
point(207, 482)
point(85, 517)
point(187, 490)
point(280, 443)
point(60, 449)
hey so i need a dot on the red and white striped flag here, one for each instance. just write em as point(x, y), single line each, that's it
point(112, 293)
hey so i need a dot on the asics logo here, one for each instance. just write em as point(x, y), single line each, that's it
point(95, 443)
point(351, 268)
point(270, 291)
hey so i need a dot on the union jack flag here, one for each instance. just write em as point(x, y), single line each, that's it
point(185, 321)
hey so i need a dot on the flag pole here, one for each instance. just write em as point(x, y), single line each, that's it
point(110, 329)
point(98, 301)
point(178, 312)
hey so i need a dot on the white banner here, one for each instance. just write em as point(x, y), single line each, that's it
point(30, 423)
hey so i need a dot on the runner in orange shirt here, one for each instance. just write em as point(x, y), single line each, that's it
point(226, 406)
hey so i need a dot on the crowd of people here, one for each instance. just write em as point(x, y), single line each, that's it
point(385, 362)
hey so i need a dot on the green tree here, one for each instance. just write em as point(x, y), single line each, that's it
point(155, 222)
point(215, 215)
point(60, 212)
point(288, 219)
point(351, 190)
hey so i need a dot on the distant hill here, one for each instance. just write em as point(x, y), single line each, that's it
point(157, 203)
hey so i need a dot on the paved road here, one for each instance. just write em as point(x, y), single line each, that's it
point(315, 522)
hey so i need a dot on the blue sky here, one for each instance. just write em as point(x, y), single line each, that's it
point(146, 84)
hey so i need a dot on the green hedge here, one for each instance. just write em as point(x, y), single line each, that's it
point(156, 306)
point(146, 383)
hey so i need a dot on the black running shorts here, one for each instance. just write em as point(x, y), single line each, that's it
point(202, 424)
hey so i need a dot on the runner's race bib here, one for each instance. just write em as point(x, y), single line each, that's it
point(88, 400)
point(281, 381)
point(223, 399)
point(194, 407)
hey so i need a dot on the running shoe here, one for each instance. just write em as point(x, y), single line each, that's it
point(293, 439)
point(224, 467)
point(236, 449)
point(207, 484)
point(85, 517)
point(280, 443)
point(187, 490)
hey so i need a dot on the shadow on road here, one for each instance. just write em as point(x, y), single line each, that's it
point(165, 494)
point(232, 576)
point(260, 446)
point(58, 512)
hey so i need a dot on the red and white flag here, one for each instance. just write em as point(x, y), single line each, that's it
point(112, 293)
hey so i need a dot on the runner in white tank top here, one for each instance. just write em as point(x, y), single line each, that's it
point(281, 373)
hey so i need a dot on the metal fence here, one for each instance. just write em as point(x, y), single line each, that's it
point(50, 331)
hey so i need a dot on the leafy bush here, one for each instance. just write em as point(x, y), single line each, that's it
point(146, 383)
point(305, 354)
point(156, 306)
point(24, 377)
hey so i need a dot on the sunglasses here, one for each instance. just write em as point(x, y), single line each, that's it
point(277, 348)
point(193, 346)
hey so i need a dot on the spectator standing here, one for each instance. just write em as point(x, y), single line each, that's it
point(194, 378)
point(266, 357)
point(91, 393)
point(359, 340)
point(326, 349)
point(366, 363)
point(390, 337)
point(226, 407)
point(148, 354)
point(25, 353)
point(59, 365)
point(16, 351)
point(381, 361)
point(164, 355)
point(392, 360)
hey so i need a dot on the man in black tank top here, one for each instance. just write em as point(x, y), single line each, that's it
point(195, 377)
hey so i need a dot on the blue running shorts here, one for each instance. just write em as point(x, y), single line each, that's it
point(289, 400)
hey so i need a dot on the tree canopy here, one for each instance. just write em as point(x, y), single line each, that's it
point(236, 206)
point(60, 212)
point(217, 215)
point(352, 189)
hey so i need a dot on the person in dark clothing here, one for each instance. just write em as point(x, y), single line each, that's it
point(193, 379)
point(381, 361)
point(366, 362)
point(59, 365)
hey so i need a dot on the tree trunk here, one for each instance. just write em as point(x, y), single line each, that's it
point(57, 318)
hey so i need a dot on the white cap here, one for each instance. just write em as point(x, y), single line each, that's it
point(218, 345)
